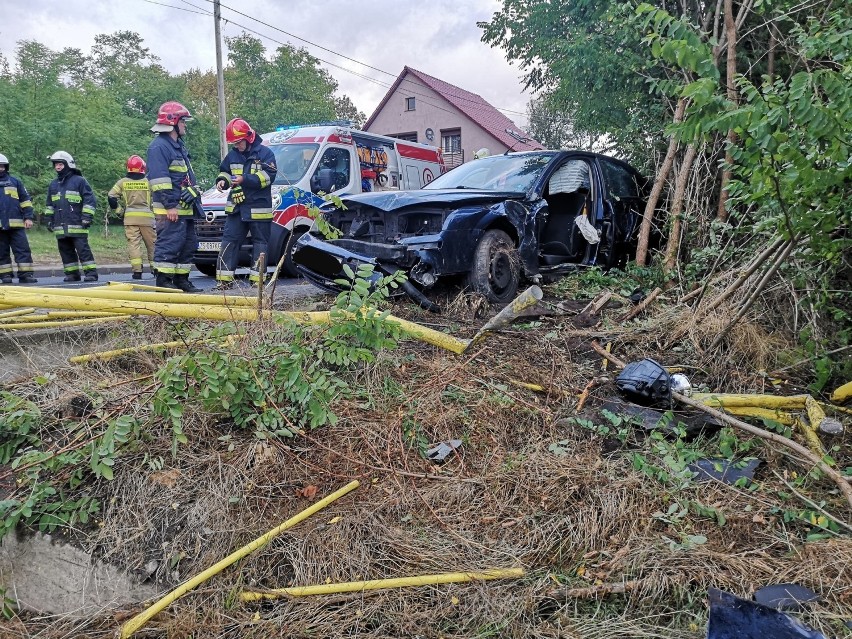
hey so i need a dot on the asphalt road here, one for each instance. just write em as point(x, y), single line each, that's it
point(292, 289)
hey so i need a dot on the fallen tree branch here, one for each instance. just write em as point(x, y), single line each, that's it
point(566, 594)
point(835, 476)
point(641, 306)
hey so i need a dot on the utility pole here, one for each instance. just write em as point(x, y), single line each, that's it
point(220, 80)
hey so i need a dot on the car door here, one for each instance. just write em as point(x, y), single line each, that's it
point(623, 204)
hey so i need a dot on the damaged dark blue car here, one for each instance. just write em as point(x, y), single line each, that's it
point(492, 220)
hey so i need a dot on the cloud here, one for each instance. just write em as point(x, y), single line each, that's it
point(437, 37)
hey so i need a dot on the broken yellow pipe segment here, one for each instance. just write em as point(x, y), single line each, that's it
point(103, 356)
point(211, 312)
point(775, 414)
point(724, 400)
point(62, 323)
point(17, 313)
point(378, 584)
point(842, 394)
point(121, 293)
point(124, 286)
point(57, 315)
point(812, 439)
point(142, 618)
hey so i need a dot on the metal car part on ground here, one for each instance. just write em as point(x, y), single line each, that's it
point(493, 221)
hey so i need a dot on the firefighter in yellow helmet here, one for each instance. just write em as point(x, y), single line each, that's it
point(133, 194)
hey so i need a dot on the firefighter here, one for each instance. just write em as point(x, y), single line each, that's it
point(70, 211)
point(138, 217)
point(175, 198)
point(249, 171)
point(16, 215)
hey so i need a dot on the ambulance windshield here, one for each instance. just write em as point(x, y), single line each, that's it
point(293, 161)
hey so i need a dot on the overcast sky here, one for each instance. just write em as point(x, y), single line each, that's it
point(438, 37)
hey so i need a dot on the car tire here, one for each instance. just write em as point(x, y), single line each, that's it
point(207, 269)
point(289, 267)
point(495, 271)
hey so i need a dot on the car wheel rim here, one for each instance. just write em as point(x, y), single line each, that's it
point(501, 272)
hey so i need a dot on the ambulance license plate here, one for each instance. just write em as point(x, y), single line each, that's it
point(209, 246)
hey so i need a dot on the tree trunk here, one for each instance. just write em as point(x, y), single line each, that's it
point(673, 246)
point(731, 34)
point(659, 183)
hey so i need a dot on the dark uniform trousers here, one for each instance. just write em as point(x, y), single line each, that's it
point(16, 240)
point(236, 230)
point(176, 244)
point(74, 249)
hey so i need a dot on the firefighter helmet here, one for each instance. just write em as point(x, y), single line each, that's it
point(4, 160)
point(135, 164)
point(64, 157)
point(169, 115)
point(238, 129)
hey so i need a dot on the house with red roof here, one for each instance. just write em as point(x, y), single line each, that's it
point(422, 108)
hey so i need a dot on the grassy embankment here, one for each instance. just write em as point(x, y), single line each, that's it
point(111, 249)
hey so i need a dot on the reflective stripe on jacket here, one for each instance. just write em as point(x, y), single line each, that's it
point(169, 170)
point(136, 193)
point(257, 166)
point(70, 203)
point(15, 203)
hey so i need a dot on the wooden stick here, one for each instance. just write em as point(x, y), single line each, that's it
point(564, 594)
point(836, 477)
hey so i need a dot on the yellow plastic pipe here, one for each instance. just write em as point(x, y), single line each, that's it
point(17, 313)
point(103, 356)
point(842, 394)
point(724, 400)
point(58, 315)
point(212, 312)
point(141, 619)
point(125, 286)
point(378, 584)
point(775, 414)
point(812, 439)
point(120, 293)
point(62, 323)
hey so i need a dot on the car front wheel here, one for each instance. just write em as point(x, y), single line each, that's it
point(208, 269)
point(495, 271)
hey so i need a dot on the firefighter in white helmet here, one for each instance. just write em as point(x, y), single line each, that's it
point(69, 214)
point(16, 215)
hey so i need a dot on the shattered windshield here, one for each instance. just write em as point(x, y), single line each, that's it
point(292, 160)
point(515, 173)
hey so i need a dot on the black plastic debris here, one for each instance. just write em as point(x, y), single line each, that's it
point(735, 618)
point(646, 382)
point(649, 419)
point(785, 596)
point(637, 296)
point(439, 453)
point(724, 470)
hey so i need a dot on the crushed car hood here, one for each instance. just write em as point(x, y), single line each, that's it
point(395, 200)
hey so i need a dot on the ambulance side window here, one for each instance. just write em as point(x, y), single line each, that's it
point(333, 172)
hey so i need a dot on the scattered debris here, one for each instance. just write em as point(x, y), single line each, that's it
point(735, 618)
point(724, 470)
point(439, 453)
point(646, 382)
point(641, 306)
point(785, 596)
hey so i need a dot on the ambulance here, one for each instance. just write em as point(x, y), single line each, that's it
point(313, 160)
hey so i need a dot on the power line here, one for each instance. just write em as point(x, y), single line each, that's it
point(171, 6)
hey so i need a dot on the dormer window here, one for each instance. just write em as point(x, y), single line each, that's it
point(409, 104)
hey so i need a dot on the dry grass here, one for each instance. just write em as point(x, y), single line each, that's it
point(505, 500)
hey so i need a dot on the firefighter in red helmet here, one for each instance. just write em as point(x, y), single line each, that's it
point(133, 194)
point(248, 171)
point(175, 198)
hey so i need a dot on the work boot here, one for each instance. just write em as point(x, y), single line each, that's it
point(72, 277)
point(165, 281)
point(181, 280)
point(137, 275)
point(27, 278)
point(6, 279)
point(90, 277)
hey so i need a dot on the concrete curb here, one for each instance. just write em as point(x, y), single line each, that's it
point(105, 269)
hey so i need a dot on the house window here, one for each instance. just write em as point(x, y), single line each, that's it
point(408, 137)
point(451, 141)
point(409, 104)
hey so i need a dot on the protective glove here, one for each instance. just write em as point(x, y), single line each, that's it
point(189, 194)
point(238, 196)
point(86, 223)
point(113, 202)
point(50, 226)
